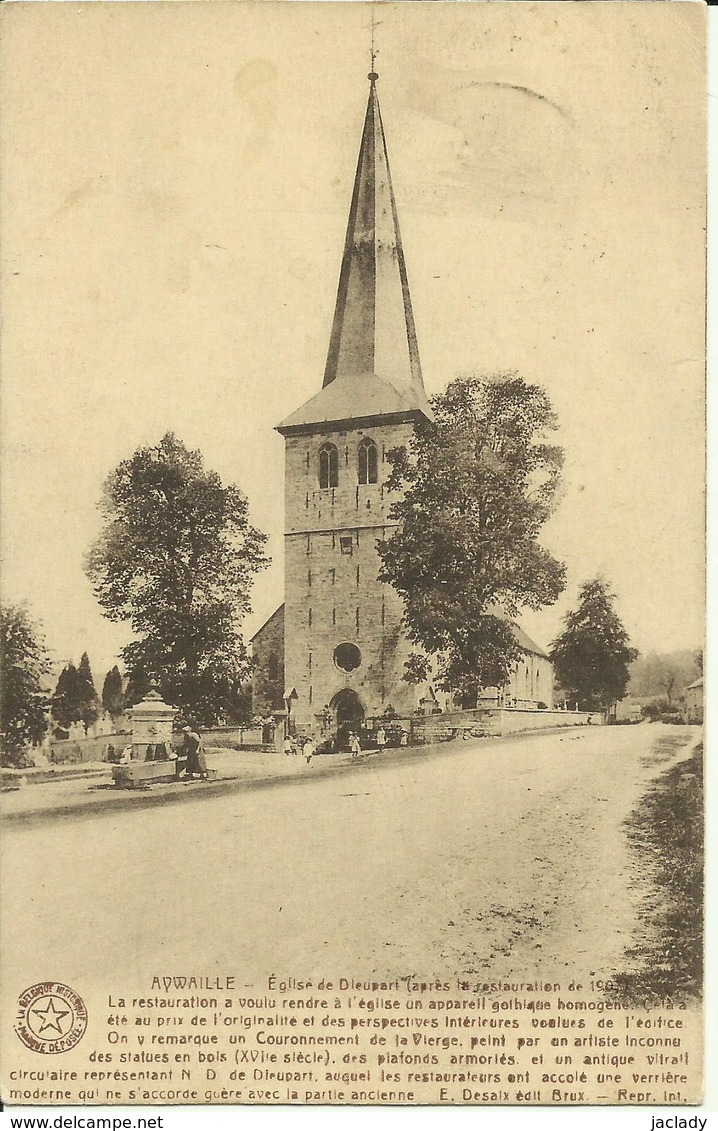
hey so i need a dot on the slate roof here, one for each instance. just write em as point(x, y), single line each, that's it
point(279, 609)
point(524, 641)
point(350, 399)
point(373, 367)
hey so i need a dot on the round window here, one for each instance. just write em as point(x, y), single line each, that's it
point(347, 657)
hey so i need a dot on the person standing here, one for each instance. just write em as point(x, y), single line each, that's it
point(309, 749)
point(354, 745)
point(381, 739)
point(192, 750)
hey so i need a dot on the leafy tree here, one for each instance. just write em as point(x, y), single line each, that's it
point(668, 682)
point(113, 693)
point(25, 663)
point(138, 684)
point(478, 485)
point(176, 558)
point(89, 712)
point(592, 655)
point(67, 701)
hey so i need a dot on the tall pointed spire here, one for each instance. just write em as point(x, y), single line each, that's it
point(373, 330)
point(373, 365)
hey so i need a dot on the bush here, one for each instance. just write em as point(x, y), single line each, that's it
point(660, 710)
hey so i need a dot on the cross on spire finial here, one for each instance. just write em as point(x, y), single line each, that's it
point(373, 76)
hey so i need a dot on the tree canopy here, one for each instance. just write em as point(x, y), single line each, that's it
point(25, 663)
point(593, 654)
point(75, 698)
point(89, 712)
point(477, 486)
point(176, 558)
point(113, 694)
point(67, 699)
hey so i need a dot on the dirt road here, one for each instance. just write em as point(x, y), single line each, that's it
point(506, 858)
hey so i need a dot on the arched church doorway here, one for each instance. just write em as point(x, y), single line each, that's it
point(348, 715)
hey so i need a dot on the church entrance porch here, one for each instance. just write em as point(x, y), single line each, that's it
point(348, 715)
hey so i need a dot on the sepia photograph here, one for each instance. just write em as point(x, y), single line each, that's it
point(353, 553)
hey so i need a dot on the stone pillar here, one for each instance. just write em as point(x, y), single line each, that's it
point(280, 719)
point(151, 722)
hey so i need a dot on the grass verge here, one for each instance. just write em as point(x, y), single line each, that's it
point(666, 835)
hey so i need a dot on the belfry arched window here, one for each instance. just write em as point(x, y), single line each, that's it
point(368, 461)
point(329, 466)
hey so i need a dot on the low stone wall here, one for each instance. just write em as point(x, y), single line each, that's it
point(66, 751)
point(424, 729)
point(77, 750)
point(447, 725)
point(233, 738)
point(509, 720)
point(492, 721)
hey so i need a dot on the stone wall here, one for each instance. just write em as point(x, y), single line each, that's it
point(232, 738)
point(492, 721)
point(510, 720)
point(268, 670)
point(77, 750)
point(530, 683)
point(332, 591)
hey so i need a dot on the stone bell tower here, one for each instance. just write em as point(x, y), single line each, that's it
point(344, 649)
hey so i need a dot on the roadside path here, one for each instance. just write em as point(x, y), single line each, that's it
point(74, 793)
point(505, 858)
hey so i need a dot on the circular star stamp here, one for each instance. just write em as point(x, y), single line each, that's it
point(51, 1017)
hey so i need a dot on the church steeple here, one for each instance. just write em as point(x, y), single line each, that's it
point(373, 365)
point(373, 329)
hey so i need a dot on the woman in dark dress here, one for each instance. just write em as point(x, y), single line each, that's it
point(191, 749)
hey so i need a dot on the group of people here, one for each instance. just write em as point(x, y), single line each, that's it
point(307, 746)
point(356, 746)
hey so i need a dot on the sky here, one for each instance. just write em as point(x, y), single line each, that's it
point(176, 184)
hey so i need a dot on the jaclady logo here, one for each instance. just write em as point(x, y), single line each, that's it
point(51, 1017)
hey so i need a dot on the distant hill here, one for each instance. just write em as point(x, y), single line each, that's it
point(665, 674)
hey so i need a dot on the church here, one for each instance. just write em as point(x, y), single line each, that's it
point(333, 654)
